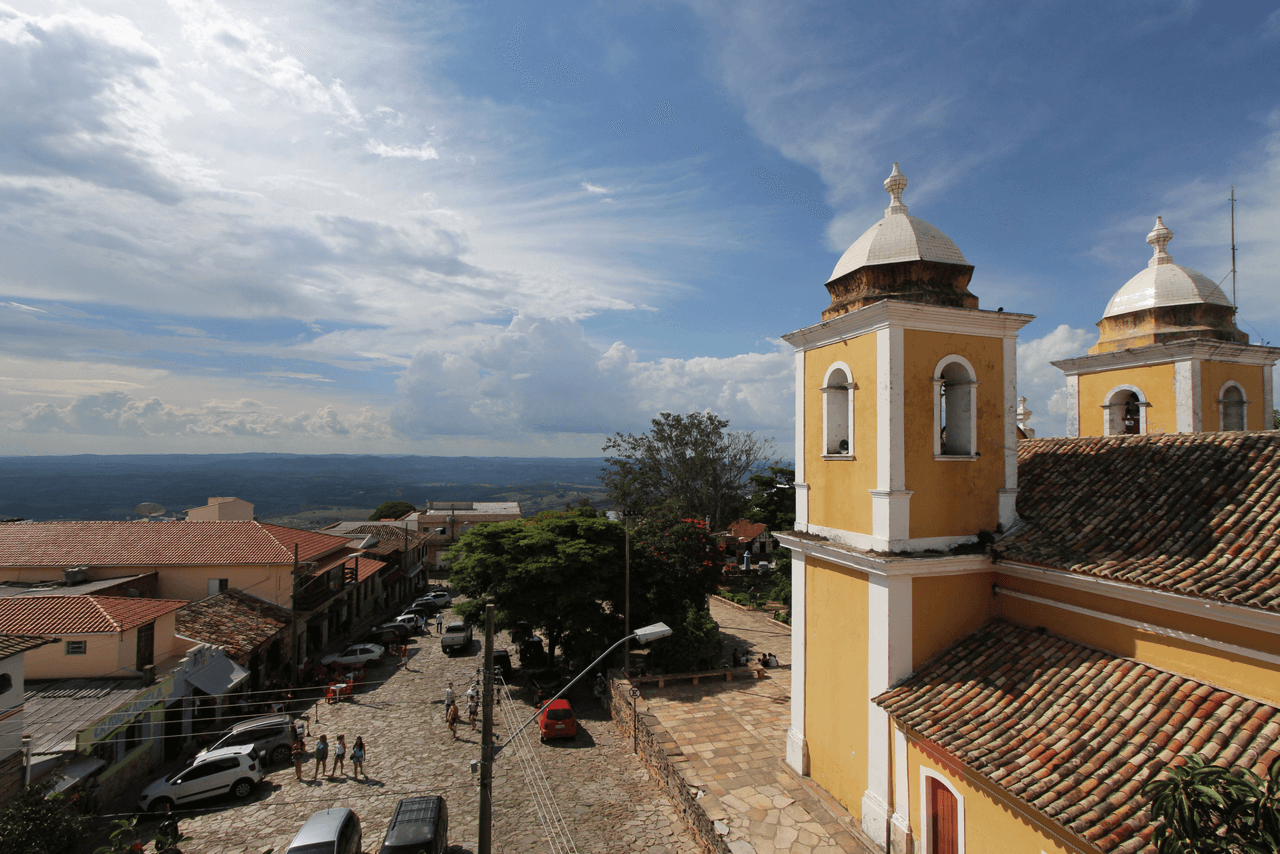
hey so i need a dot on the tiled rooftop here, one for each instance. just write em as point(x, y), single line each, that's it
point(64, 544)
point(11, 645)
point(234, 620)
point(745, 531)
point(53, 615)
point(1075, 732)
point(1195, 514)
point(391, 538)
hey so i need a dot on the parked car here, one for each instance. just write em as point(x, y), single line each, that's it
point(229, 770)
point(557, 720)
point(357, 653)
point(401, 630)
point(440, 597)
point(427, 603)
point(272, 735)
point(416, 622)
point(532, 653)
point(502, 663)
point(332, 831)
point(456, 638)
point(418, 826)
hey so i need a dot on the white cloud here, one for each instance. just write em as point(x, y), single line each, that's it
point(594, 188)
point(422, 152)
point(1043, 385)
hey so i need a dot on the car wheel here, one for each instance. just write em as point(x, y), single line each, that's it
point(243, 788)
point(160, 805)
point(281, 754)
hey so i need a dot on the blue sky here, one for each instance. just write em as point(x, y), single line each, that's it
point(512, 228)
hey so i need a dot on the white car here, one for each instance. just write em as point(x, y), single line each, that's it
point(417, 622)
point(228, 770)
point(358, 653)
point(440, 597)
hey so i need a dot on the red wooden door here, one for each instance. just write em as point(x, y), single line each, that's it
point(944, 837)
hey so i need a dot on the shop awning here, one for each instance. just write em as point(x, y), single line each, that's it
point(413, 570)
point(76, 770)
point(218, 676)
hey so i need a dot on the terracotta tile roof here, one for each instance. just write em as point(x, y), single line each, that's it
point(746, 531)
point(1074, 732)
point(368, 567)
point(11, 645)
point(391, 538)
point(236, 621)
point(63, 544)
point(1195, 514)
point(53, 615)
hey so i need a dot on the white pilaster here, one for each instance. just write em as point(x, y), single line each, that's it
point(800, 392)
point(1186, 395)
point(1268, 396)
point(1009, 494)
point(802, 506)
point(900, 836)
point(888, 662)
point(890, 500)
point(1073, 405)
point(797, 749)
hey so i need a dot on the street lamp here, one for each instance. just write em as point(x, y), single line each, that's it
point(487, 749)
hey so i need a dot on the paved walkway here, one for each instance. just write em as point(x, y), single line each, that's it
point(607, 799)
point(732, 742)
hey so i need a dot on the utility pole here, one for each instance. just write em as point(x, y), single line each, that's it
point(486, 738)
point(626, 650)
point(1234, 305)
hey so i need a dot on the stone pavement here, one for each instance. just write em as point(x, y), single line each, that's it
point(606, 797)
point(732, 742)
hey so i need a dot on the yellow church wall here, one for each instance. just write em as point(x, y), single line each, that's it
point(836, 680)
point(993, 820)
point(1212, 377)
point(953, 498)
point(945, 609)
point(839, 489)
point(1157, 384)
point(1234, 671)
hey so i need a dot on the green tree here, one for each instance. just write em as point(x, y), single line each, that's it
point(685, 466)
point(1204, 809)
point(122, 838)
point(773, 499)
point(34, 824)
point(675, 565)
point(695, 643)
point(557, 571)
point(1275, 419)
point(391, 510)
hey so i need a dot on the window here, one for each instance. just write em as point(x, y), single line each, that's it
point(943, 809)
point(76, 647)
point(955, 411)
point(146, 645)
point(217, 585)
point(1232, 407)
point(132, 736)
point(6, 683)
point(1126, 412)
point(837, 411)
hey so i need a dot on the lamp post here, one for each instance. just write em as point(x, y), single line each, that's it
point(626, 651)
point(489, 752)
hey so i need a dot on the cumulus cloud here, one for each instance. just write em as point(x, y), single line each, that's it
point(1043, 385)
point(594, 188)
point(422, 152)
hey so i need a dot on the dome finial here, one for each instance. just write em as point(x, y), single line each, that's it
point(894, 185)
point(1159, 238)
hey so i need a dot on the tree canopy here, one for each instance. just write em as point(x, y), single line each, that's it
point(675, 565)
point(773, 499)
point(34, 824)
point(686, 466)
point(1205, 809)
point(391, 510)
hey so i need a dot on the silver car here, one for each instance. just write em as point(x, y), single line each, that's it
point(333, 831)
point(229, 770)
point(272, 734)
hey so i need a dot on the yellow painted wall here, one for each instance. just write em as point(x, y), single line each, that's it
point(1250, 377)
point(271, 582)
point(839, 489)
point(992, 821)
point(1157, 384)
point(1232, 671)
point(945, 609)
point(953, 498)
point(107, 654)
point(836, 680)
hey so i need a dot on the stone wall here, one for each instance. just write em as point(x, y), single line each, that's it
point(655, 746)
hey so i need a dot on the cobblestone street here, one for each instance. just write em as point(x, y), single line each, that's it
point(605, 795)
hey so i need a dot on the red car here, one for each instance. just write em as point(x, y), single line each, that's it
point(557, 720)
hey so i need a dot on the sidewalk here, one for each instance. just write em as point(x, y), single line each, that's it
point(731, 742)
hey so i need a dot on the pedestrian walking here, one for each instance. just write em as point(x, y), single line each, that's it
point(299, 756)
point(322, 757)
point(472, 708)
point(357, 758)
point(448, 698)
point(439, 623)
point(451, 718)
point(340, 756)
point(404, 654)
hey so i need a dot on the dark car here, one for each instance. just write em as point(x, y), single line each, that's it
point(418, 826)
point(531, 652)
point(502, 662)
point(400, 630)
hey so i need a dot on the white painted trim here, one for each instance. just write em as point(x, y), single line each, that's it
point(901, 784)
point(802, 506)
point(1010, 370)
point(833, 367)
point(971, 389)
point(1184, 397)
point(828, 392)
point(1197, 396)
point(1107, 406)
point(1073, 405)
point(1160, 354)
point(1008, 507)
point(800, 400)
point(1239, 615)
point(925, 775)
point(1222, 404)
point(871, 563)
point(905, 315)
point(799, 628)
point(1268, 399)
point(1163, 631)
point(889, 638)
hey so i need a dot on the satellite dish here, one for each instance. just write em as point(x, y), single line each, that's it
point(149, 509)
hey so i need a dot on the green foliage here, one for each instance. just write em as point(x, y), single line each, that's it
point(686, 466)
point(1204, 809)
point(122, 838)
point(781, 591)
point(558, 572)
point(391, 510)
point(34, 824)
point(1275, 419)
point(773, 499)
point(694, 645)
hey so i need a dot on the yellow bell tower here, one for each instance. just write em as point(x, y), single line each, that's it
point(906, 396)
point(1169, 359)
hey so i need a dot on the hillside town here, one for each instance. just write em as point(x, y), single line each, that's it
point(980, 640)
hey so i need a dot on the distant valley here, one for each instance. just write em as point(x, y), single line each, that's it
point(292, 489)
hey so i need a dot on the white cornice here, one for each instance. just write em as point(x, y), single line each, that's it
point(1239, 615)
point(887, 565)
point(905, 315)
point(1173, 351)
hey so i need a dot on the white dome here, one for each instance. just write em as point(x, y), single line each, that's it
point(898, 237)
point(1164, 283)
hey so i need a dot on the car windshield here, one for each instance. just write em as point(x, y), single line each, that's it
point(559, 714)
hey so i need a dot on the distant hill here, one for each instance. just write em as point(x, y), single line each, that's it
point(304, 490)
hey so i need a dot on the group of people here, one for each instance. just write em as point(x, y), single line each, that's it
point(766, 659)
point(451, 713)
point(322, 757)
